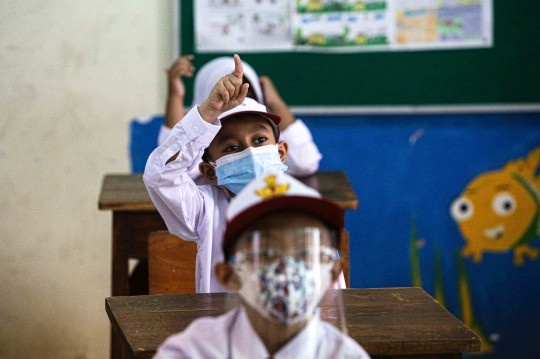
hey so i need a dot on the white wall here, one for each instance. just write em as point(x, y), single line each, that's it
point(72, 76)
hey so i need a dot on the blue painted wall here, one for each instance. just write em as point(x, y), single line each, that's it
point(406, 170)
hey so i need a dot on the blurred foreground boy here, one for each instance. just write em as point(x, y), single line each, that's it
point(280, 249)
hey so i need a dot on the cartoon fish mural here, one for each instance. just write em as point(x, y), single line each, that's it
point(499, 211)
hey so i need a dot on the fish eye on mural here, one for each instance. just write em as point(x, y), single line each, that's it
point(462, 209)
point(499, 211)
point(504, 204)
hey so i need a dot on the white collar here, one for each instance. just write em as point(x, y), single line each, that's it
point(245, 343)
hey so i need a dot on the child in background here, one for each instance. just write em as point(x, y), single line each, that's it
point(304, 156)
point(238, 139)
point(280, 251)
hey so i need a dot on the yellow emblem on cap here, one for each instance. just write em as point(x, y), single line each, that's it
point(273, 189)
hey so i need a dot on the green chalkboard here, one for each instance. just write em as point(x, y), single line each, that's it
point(507, 73)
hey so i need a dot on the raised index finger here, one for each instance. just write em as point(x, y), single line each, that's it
point(238, 67)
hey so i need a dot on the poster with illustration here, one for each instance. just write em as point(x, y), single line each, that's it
point(442, 23)
point(341, 25)
point(242, 25)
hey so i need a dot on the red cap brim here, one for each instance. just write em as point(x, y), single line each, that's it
point(329, 212)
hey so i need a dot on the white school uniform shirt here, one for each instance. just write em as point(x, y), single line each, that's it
point(231, 336)
point(193, 213)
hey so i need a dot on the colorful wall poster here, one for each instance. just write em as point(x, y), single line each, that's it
point(242, 25)
point(442, 23)
point(341, 25)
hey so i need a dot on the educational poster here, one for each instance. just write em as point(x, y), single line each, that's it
point(242, 25)
point(442, 23)
point(341, 29)
point(341, 25)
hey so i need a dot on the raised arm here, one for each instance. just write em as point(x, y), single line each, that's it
point(179, 201)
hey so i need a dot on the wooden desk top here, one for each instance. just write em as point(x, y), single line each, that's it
point(386, 321)
point(126, 192)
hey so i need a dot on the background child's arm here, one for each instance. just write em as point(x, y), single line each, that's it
point(174, 110)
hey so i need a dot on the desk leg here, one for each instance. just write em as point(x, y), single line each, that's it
point(130, 240)
point(126, 353)
point(119, 266)
point(121, 241)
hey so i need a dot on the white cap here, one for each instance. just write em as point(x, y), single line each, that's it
point(251, 106)
point(275, 191)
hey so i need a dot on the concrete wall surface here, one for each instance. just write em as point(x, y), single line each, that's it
point(72, 76)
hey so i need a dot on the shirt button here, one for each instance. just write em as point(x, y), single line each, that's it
point(195, 128)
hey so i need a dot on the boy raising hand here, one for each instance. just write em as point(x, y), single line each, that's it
point(238, 139)
point(228, 93)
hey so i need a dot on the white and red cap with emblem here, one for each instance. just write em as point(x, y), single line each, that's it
point(274, 192)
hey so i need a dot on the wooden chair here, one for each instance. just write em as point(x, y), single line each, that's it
point(171, 264)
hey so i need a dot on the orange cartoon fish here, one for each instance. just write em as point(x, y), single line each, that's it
point(499, 211)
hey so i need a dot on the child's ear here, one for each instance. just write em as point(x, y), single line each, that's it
point(208, 171)
point(336, 270)
point(283, 149)
point(226, 276)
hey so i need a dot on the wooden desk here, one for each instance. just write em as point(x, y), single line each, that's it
point(389, 322)
point(135, 216)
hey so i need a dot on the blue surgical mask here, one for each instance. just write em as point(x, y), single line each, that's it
point(235, 171)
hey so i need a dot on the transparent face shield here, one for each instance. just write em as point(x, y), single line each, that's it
point(286, 276)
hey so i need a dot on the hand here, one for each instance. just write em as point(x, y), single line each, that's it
point(182, 67)
point(228, 93)
point(271, 96)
